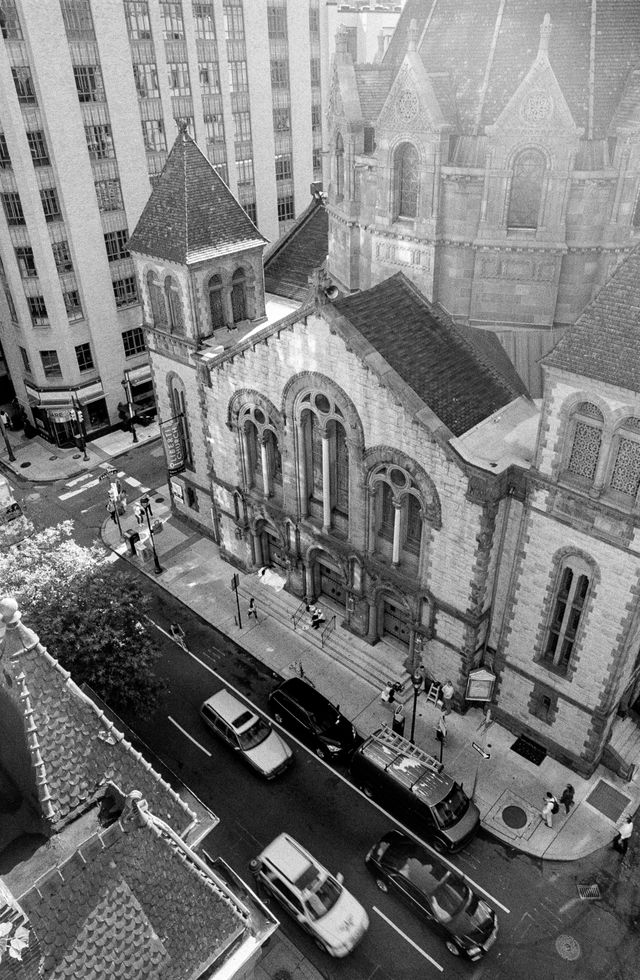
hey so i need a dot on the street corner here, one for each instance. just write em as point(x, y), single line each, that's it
point(510, 817)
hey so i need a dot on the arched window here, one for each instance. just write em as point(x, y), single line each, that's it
point(413, 525)
point(254, 456)
point(274, 458)
point(406, 181)
point(586, 440)
point(570, 596)
point(397, 517)
point(625, 474)
point(239, 296)
point(339, 166)
point(261, 454)
point(156, 298)
point(527, 180)
point(325, 460)
point(174, 305)
point(386, 511)
point(179, 412)
point(216, 305)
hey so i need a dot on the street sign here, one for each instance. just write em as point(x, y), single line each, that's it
point(481, 751)
point(108, 475)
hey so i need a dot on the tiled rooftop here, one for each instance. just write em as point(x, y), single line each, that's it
point(293, 258)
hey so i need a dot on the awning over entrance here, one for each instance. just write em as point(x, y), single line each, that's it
point(49, 398)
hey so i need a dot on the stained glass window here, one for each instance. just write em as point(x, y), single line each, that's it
point(526, 190)
point(407, 181)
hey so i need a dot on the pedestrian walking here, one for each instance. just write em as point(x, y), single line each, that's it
point(446, 693)
point(111, 507)
point(621, 843)
point(441, 729)
point(252, 611)
point(4, 418)
point(568, 794)
point(399, 719)
point(550, 807)
point(139, 513)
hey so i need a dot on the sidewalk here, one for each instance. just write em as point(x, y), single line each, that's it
point(509, 788)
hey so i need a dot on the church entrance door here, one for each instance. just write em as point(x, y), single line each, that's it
point(272, 551)
point(395, 621)
point(330, 582)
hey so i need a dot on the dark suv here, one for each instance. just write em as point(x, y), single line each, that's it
point(435, 893)
point(307, 713)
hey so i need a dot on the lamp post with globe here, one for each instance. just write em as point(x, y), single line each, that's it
point(145, 503)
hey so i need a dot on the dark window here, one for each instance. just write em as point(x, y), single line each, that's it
point(26, 262)
point(38, 148)
point(5, 159)
point(62, 257)
point(316, 118)
point(50, 204)
point(84, 356)
point(251, 210)
point(133, 342)
point(279, 73)
point(238, 296)
point(284, 167)
point(567, 612)
point(125, 291)
point(215, 302)
point(369, 139)
point(285, 208)
point(314, 21)
point(13, 208)
point(146, 79)
point(38, 310)
point(179, 78)
point(12, 307)
point(277, 23)
point(174, 304)
point(77, 18)
point(386, 519)
point(214, 127)
point(109, 195)
point(282, 120)
point(116, 244)
point(209, 77)
point(9, 21)
point(407, 181)
point(238, 81)
point(137, 16)
point(24, 85)
point(242, 122)
point(245, 172)
point(50, 363)
point(315, 71)
point(88, 80)
point(526, 190)
point(339, 166)
point(316, 161)
point(153, 134)
point(99, 141)
point(588, 423)
point(203, 20)
point(26, 363)
point(73, 304)
point(413, 525)
point(172, 15)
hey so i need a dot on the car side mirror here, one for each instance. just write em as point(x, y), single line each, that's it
point(339, 877)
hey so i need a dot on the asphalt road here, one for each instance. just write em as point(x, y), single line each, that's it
point(548, 932)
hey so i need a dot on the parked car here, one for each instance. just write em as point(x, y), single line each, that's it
point(247, 733)
point(316, 898)
point(435, 893)
point(310, 716)
point(413, 785)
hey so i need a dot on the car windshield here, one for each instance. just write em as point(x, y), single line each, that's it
point(322, 900)
point(324, 717)
point(454, 806)
point(255, 735)
point(449, 898)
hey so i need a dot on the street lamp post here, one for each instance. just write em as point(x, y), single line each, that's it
point(126, 384)
point(145, 503)
point(83, 441)
point(416, 680)
point(10, 452)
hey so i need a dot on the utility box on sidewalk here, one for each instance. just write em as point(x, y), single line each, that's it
point(131, 537)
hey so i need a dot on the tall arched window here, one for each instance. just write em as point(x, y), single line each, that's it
point(339, 166)
point(239, 296)
point(527, 180)
point(397, 516)
point(216, 305)
point(174, 305)
point(254, 456)
point(325, 460)
point(570, 596)
point(625, 475)
point(413, 524)
point(406, 181)
point(156, 298)
point(386, 511)
point(586, 440)
point(179, 412)
point(274, 458)
point(261, 454)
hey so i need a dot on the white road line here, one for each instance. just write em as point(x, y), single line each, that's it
point(131, 480)
point(74, 493)
point(78, 479)
point(190, 737)
point(406, 938)
point(334, 772)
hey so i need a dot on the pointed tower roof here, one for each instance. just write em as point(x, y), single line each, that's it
point(604, 342)
point(191, 214)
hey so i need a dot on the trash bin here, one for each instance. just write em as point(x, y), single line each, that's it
point(131, 538)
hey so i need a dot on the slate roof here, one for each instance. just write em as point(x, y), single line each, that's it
point(604, 342)
point(70, 741)
point(293, 258)
point(465, 37)
point(373, 83)
point(128, 902)
point(191, 214)
point(462, 374)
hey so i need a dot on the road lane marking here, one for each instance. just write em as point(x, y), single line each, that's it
point(74, 493)
point(131, 480)
point(334, 772)
point(407, 939)
point(190, 737)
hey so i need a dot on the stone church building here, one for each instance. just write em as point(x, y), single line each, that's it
point(364, 436)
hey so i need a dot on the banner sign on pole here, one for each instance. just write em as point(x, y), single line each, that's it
point(173, 445)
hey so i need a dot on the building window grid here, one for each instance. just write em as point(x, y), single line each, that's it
point(89, 85)
point(233, 20)
point(78, 22)
point(26, 363)
point(209, 74)
point(625, 476)
point(133, 342)
point(23, 81)
point(568, 608)
point(38, 148)
point(279, 73)
point(284, 167)
point(125, 291)
point(137, 17)
point(5, 159)
point(50, 204)
point(146, 80)
point(285, 208)
point(238, 79)
point(26, 262)
point(10, 22)
point(251, 210)
point(109, 194)
point(50, 363)
point(38, 310)
point(13, 208)
point(525, 196)
point(84, 357)
point(100, 142)
point(314, 67)
point(314, 21)
point(116, 244)
point(62, 257)
point(242, 122)
point(203, 20)
point(245, 172)
point(153, 135)
point(178, 75)
point(172, 17)
point(73, 305)
point(277, 22)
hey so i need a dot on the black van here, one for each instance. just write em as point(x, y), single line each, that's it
point(412, 785)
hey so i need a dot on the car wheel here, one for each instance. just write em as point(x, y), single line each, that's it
point(278, 717)
point(438, 845)
point(453, 949)
point(367, 791)
point(320, 752)
point(382, 885)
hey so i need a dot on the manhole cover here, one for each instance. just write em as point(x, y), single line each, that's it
point(568, 947)
point(77, 455)
point(51, 458)
point(23, 466)
point(514, 817)
point(159, 500)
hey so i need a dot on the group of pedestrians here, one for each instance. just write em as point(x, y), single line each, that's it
point(551, 806)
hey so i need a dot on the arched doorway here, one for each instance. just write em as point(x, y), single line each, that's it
point(394, 619)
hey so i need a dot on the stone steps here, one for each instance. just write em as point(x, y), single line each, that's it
point(370, 663)
point(625, 740)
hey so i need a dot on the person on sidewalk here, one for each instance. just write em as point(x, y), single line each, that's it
point(111, 507)
point(446, 693)
point(550, 807)
point(621, 842)
point(4, 418)
point(568, 794)
point(399, 720)
point(139, 512)
point(252, 611)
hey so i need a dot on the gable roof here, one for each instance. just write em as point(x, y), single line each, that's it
point(463, 375)
point(604, 342)
point(293, 258)
point(191, 214)
point(130, 901)
point(488, 46)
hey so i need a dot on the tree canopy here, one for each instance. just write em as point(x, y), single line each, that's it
point(89, 617)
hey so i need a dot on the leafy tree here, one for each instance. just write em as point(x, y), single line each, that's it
point(90, 618)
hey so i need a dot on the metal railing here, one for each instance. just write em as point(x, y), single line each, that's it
point(328, 630)
point(299, 613)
